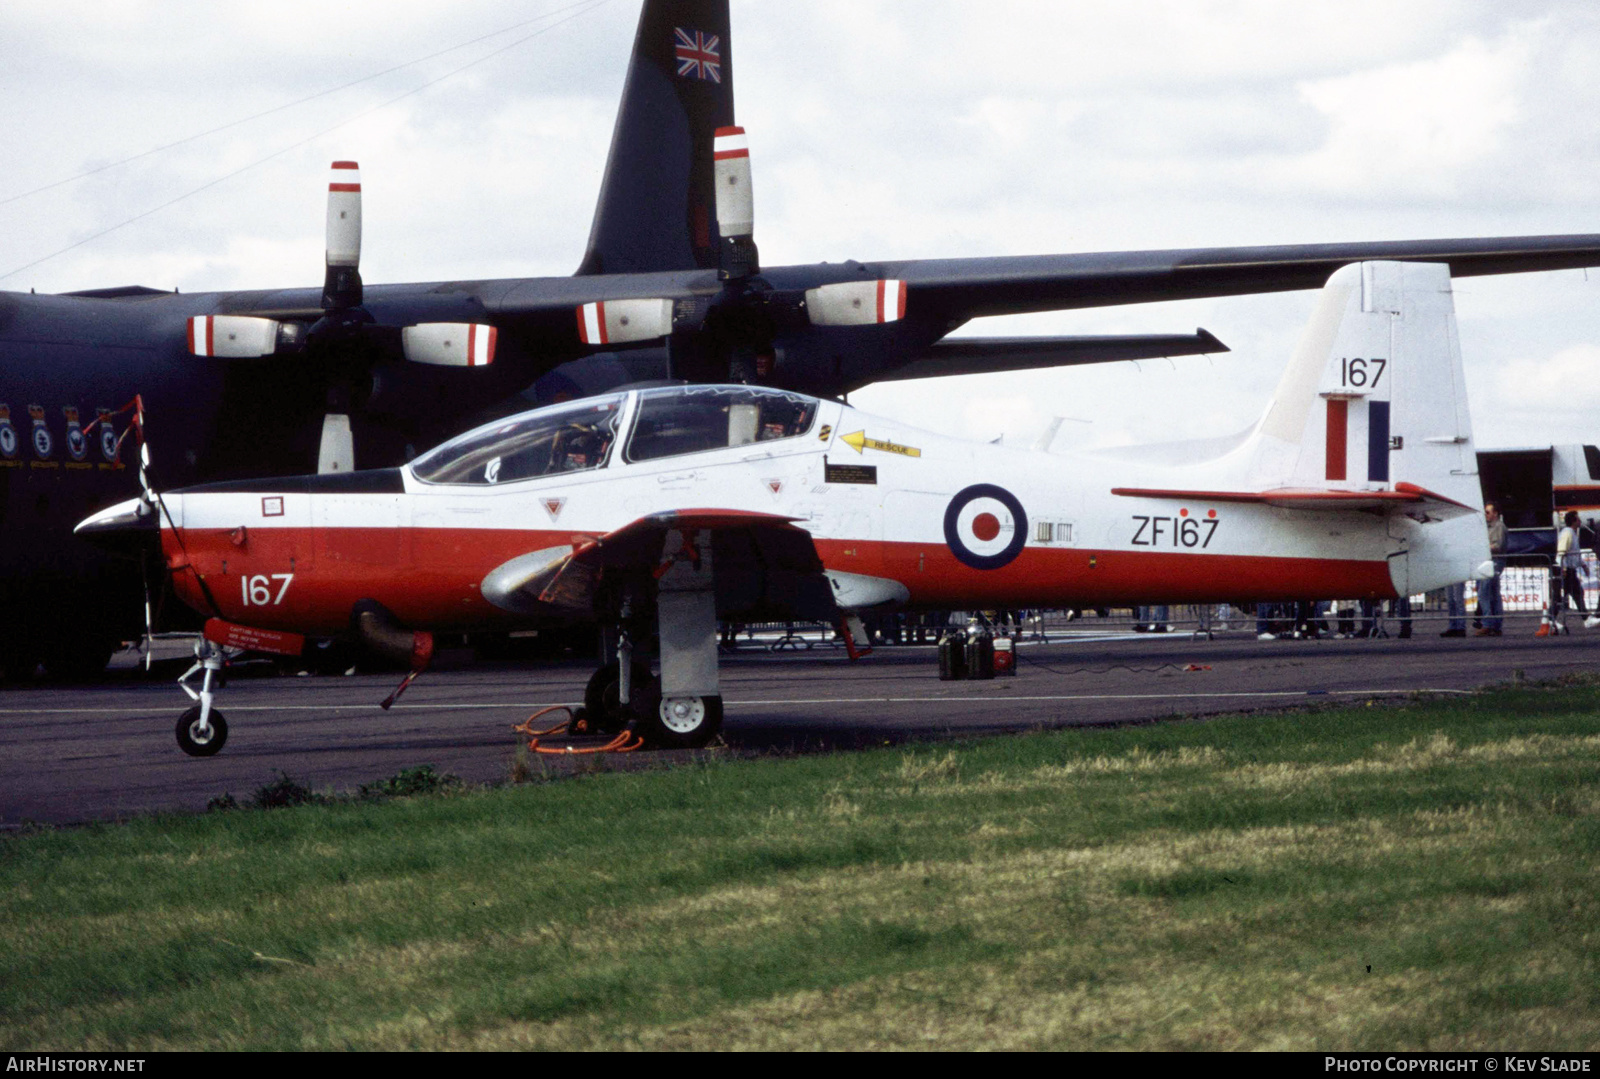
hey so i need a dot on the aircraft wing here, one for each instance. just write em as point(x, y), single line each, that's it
point(766, 568)
point(960, 289)
point(1405, 496)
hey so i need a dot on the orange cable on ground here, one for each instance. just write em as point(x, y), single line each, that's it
point(624, 742)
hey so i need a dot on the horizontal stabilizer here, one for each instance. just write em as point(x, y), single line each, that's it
point(1405, 497)
point(979, 355)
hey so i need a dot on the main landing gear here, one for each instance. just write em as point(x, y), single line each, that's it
point(681, 722)
point(682, 709)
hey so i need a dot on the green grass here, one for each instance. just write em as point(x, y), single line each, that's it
point(1420, 877)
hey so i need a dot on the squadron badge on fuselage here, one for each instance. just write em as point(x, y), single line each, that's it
point(43, 444)
point(108, 436)
point(8, 435)
point(77, 444)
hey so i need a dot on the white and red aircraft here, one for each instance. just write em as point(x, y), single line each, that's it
point(658, 511)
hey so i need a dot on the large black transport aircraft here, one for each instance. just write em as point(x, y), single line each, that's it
point(255, 384)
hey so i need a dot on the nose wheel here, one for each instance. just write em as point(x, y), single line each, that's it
point(202, 738)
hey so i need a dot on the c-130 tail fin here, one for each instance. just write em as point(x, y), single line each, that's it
point(657, 208)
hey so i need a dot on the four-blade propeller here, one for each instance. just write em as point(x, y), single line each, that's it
point(743, 320)
point(346, 336)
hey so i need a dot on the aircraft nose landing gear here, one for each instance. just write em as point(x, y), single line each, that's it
point(202, 730)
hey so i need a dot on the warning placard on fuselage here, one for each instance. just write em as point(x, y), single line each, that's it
point(832, 473)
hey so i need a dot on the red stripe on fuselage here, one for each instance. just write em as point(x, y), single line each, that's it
point(430, 577)
point(1046, 577)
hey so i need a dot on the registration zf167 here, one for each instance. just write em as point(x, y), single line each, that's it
point(1174, 531)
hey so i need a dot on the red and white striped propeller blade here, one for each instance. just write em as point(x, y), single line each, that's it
point(344, 214)
point(450, 344)
point(232, 336)
point(731, 168)
point(857, 303)
point(621, 322)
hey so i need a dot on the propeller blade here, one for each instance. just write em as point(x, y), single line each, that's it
point(621, 322)
point(857, 303)
point(337, 452)
point(449, 344)
point(731, 164)
point(342, 286)
point(233, 336)
point(735, 203)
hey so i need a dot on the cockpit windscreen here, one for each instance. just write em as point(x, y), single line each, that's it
point(542, 443)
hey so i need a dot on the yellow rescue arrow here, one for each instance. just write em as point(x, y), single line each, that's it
point(859, 441)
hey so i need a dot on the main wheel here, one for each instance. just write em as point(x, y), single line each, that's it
point(602, 698)
point(681, 722)
point(190, 738)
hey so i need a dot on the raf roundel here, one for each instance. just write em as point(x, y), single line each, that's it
point(985, 526)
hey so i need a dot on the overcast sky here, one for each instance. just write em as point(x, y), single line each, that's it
point(878, 130)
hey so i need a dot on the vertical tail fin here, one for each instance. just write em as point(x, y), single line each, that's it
point(657, 200)
point(1375, 400)
point(1375, 394)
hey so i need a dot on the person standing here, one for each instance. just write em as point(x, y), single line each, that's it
point(1570, 557)
point(1592, 528)
point(1489, 588)
point(1456, 597)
